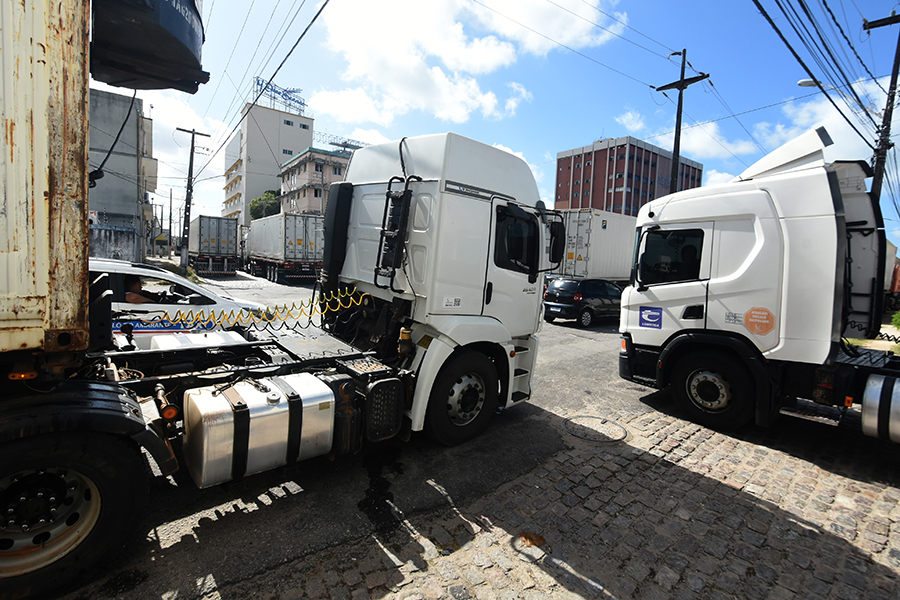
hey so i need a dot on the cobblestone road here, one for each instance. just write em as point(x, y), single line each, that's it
point(803, 510)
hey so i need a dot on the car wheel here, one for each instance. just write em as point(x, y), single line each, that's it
point(549, 318)
point(586, 318)
point(70, 503)
point(715, 390)
point(463, 399)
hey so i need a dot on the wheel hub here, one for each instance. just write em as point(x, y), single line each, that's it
point(709, 390)
point(44, 514)
point(465, 399)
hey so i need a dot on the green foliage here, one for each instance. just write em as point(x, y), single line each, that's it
point(266, 205)
point(895, 320)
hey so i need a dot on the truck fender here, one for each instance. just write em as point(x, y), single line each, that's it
point(754, 361)
point(459, 332)
point(84, 406)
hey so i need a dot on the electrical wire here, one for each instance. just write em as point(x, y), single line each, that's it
point(97, 173)
point(284, 60)
point(561, 45)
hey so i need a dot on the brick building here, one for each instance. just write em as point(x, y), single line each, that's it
point(618, 175)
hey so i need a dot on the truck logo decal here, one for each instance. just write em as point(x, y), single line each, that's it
point(650, 316)
point(532, 289)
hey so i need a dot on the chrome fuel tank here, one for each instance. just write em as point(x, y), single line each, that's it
point(255, 426)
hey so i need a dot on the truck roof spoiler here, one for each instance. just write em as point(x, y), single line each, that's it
point(800, 153)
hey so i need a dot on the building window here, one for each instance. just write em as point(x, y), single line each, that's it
point(288, 152)
point(575, 195)
point(587, 164)
point(587, 181)
point(317, 193)
point(577, 182)
point(304, 126)
point(290, 123)
point(320, 168)
point(338, 170)
point(577, 165)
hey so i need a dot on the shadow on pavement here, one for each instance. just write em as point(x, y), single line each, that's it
point(676, 510)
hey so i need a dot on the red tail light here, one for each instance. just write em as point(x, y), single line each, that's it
point(577, 297)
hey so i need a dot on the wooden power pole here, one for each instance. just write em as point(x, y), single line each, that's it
point(680, 85)
point(186, 226)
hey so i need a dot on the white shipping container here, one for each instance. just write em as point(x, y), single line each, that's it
point(598, 244)
point(287, 237)
point(43, 175)
point(213, 236)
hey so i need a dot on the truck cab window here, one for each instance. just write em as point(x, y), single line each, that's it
point(516, 245)
point(671, 255)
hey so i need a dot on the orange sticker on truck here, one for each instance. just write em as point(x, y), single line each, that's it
point(759, 321)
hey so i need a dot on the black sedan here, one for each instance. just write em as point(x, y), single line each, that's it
point(583, 299)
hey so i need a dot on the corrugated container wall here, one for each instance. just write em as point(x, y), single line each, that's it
point(598, 244)
point(287, 237)
point(43, 166)
point(213, 236)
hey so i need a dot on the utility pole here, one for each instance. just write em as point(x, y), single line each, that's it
point(169, 255)
point(884, 138)
point(680, 85)
point(185, 230)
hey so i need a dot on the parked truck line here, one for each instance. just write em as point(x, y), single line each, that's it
point(286, 247)
point(214, 245)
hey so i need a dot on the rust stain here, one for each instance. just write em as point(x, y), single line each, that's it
point(10, 138)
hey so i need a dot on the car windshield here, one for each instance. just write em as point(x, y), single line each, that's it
point(564, 285)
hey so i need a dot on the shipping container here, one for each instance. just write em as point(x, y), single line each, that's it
point(43, 166)
point(213, 245)
point(286, 246)
point(599, 244)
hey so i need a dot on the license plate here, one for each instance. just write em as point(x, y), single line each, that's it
point(555, 309)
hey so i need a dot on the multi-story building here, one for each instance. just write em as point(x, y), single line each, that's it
point(305, 179)
point(119, 203)
point(254, 155)
point(619, 175)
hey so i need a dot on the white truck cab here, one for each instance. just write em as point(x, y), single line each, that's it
point(452, 248)
point(741, 293)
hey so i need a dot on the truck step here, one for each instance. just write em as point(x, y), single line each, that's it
point(519, 396)
point(520, 372)
point(829, 415)
point(521, 349)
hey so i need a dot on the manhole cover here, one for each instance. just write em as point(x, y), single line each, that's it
point(595, 429)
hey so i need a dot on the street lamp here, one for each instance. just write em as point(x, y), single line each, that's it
point(852, 101)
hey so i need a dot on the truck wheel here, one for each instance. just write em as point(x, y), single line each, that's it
point(586, 318)
point(69, 502)
point(463, 399)
point(715, 390)
point(549, 318)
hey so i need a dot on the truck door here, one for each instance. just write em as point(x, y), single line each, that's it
point(513, 291)
point(673, 273)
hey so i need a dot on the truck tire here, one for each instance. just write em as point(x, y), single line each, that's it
point(463, 399)
point(586, 318)
point(69, 502)
point(714, 389)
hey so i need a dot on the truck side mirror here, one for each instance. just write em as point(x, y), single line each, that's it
point(557, 241)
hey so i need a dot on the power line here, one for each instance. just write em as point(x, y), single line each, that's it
point(284, 60)
point(561, 45)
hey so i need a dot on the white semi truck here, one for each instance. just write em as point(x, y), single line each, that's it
point(430, 304)
point(742, 293)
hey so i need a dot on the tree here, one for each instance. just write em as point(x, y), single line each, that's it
point(267, 204)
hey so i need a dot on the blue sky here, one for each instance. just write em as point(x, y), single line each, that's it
point(536, 77)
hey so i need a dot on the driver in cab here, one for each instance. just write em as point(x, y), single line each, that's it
point(135, 293)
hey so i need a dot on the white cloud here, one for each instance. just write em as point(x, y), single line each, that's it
point(631, 120)
point(369, 136)
point(519, 93)
point(706, 141)
point(401, 57)
point(535, 169)
point(714, 177)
